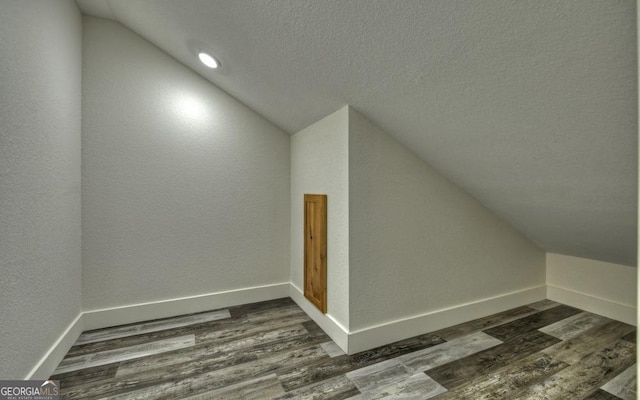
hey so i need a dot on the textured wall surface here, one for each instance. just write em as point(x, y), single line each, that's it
point(529, 106)
point(40, 108)
point(417, 242)
point(185, 190)
point(319, 165)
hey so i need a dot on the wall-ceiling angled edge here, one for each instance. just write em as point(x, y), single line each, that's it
point(105, 9)
point(96, 8)
point(522, 206)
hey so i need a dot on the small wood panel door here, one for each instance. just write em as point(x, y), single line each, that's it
point(315, 250)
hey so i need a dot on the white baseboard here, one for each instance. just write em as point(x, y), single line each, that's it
point(350, 342)
point(108, 317)
point(594, 304)
point(378, 335)
point(96, 319)
point(327, 323)
point(48, 363)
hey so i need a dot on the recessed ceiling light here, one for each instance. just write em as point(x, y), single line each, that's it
point(208, 60)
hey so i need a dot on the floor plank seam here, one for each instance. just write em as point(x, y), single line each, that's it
point(272, 350)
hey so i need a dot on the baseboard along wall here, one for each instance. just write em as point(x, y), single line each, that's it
point(350, 342)
point(594, 304)
point(378, 335)
point(114, 316)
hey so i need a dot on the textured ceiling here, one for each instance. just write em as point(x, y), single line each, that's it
point(529, 106)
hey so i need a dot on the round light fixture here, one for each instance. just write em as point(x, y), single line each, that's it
point(208, 60)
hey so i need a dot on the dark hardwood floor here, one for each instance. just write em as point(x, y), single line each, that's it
point(272, 350)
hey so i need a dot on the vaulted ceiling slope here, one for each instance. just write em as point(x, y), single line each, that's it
point(529, 106)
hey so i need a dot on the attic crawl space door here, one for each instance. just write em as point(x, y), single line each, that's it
point(315, 250)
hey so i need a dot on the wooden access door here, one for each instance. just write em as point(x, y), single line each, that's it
point(315, 250)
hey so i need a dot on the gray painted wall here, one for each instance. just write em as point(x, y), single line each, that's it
point(412, 232)
point(185, 190)
point(40, 245)
point(529, 106)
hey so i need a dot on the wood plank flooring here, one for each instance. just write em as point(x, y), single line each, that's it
point(272, 350)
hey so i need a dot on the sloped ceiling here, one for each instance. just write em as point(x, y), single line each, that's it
point(529, 106)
